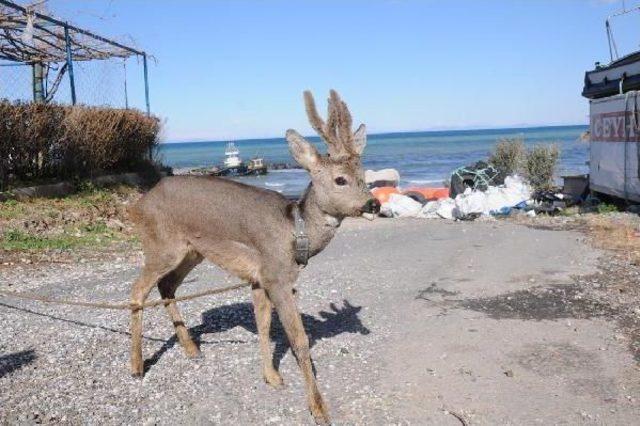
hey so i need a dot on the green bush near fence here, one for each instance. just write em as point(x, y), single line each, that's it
point(50, 141)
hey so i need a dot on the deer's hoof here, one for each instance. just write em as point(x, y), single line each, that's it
point(322, 419)
point(274, 379)
point(138, 376)
point(319, 411)
point(196, 355)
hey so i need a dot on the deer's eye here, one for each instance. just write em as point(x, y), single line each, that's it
point(340, 181)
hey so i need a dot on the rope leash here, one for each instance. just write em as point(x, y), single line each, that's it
point(122, 306)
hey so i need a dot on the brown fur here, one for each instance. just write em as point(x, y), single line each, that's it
point(249, 231)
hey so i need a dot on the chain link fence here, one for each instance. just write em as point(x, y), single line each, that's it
point(113, 82)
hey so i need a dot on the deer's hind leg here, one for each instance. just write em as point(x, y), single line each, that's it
point(167, 287)
point(157, 265)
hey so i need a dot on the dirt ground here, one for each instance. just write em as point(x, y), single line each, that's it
point(411, 321)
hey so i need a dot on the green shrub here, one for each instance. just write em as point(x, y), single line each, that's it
point(508, 156)
point(607, 208)
point(540, 164)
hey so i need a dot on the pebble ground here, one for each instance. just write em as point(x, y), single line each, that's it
point(373, 304)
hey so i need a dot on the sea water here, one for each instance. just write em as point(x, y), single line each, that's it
point(422, 158)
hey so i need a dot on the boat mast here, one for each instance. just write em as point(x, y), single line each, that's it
point(613, 48)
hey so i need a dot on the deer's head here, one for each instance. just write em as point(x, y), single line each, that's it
point(337, 177)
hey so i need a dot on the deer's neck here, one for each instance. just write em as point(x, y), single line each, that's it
point(320, 226)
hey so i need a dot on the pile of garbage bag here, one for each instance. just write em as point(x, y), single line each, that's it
point(472, 203)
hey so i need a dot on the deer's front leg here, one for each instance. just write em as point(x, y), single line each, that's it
point(282, 297)
point(262, 311)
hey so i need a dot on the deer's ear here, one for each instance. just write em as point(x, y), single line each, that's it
point(360, 139)
point(303, 152)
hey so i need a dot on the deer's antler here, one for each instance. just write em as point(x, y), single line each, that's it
point(336, 132)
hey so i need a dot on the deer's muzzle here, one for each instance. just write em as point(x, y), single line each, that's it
point(372, 206)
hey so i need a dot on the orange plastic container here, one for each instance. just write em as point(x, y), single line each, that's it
point(383, 193)
point(430, 193)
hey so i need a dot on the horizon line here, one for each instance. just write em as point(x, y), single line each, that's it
point(469, 129)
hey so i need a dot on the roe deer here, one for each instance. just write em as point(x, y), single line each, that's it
point(255, 234)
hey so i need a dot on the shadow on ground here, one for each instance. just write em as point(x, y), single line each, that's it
point(337, 320)
point(15, 361)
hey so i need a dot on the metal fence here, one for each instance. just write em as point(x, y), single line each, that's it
point(44, 59)
point(113, 82)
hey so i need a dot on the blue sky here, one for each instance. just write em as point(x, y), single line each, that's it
point(236, 69)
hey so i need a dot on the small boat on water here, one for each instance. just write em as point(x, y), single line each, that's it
point(256, 166)
point(232, 156)
point(234, 166)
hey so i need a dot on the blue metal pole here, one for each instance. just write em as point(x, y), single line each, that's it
point(67, 39)
point(146, 96)
point(146, 83)
point(38, 82)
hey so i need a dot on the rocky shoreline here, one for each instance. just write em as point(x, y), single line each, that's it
point(206, 171)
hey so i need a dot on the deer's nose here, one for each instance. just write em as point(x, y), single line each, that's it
point(371, 206)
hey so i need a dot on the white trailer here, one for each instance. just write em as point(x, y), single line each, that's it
point(615, 135)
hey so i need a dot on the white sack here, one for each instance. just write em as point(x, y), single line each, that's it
point(400, 206)
point(429, 210)
point(441, 209)
point(470, 202)
point(446, 208)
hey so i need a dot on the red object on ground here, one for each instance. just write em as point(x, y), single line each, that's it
point(430, 193)
point(383, 193)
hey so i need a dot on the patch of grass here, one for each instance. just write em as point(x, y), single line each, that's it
point(93, 217)
point(88, 197)
point(95, 234)
point(11, 209)
point(604, 208)
point(614, 232)
point(14, 239)
point(569, 211)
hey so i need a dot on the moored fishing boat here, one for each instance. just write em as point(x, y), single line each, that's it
point(256, 166)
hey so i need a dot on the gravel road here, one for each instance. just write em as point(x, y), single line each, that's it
point(411, 321)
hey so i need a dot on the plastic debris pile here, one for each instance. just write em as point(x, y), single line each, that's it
point(469, 205)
